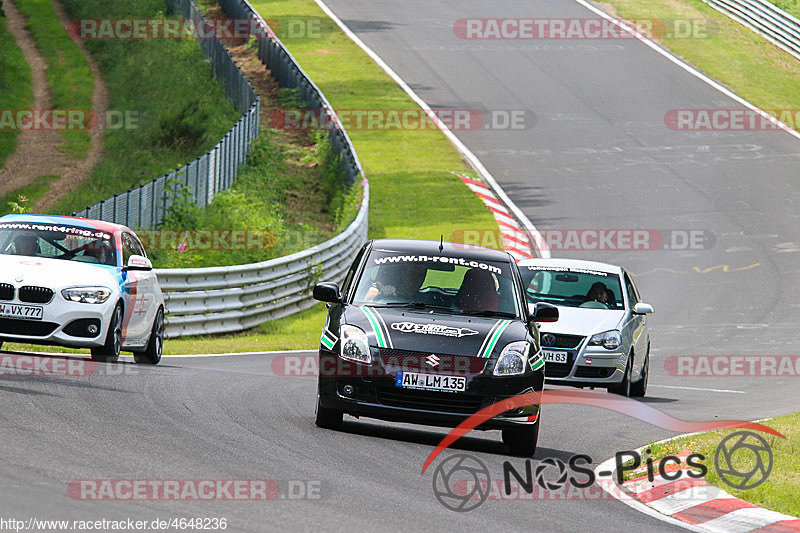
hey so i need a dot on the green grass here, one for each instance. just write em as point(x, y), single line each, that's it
point(732, 54)
point(69, 78)
point(780, 492)
point(790, 6)
point(16, 86)
point(179, 109)
point(27, 195)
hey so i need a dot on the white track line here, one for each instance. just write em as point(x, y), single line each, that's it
point(471, 158)
point(691, 70)
point(697, 388)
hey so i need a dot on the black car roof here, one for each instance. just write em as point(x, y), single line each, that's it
point(423, 247)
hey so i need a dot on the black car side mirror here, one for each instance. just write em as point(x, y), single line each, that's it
point(327, 292)
point(543, 312)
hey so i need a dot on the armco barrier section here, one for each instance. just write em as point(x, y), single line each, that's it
point(202, 301)
point(147, 206)
point(206, 301)
point(767, 19)
point(287, 71)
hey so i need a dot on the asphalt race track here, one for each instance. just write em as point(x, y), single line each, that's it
point(597, 157)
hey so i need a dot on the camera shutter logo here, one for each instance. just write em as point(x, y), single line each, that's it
point(550, 484)
point(748, 448)
point(461, 471)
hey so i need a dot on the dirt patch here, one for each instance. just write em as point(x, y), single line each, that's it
point(80, 170)
point(37, 152)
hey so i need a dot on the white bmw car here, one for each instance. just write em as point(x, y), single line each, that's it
point(601, 338)
point(79, 283)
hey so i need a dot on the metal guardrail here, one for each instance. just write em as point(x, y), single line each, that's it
point(778, 26)
point(202, 301)
point(148, 205)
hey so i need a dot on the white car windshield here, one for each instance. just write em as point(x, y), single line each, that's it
point(572, 287)
point(54, 241)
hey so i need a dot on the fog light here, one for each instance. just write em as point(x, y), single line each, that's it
point(93, 329)
point(348, 390)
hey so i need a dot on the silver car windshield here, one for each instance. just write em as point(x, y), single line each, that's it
point(455, 285)
point(54, 241)
point(573, 287)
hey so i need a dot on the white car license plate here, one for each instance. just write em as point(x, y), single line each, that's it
point(26, 312)
point(414, 380)
point(554, 357)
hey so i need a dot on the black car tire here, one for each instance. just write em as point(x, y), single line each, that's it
point(522, 442)
point(624, 387)
point(109, 353)
point(639, 389)
point(155, 346)
point(327, 418)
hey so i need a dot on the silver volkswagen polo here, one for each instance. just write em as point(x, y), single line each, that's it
point(601, 337)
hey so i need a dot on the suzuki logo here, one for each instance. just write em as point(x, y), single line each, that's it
point(548, 339)
point(432, 360)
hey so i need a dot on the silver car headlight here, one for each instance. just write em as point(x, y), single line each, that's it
point(86, 295)
point(610, 340)
point(355, 346)
point(512, 359)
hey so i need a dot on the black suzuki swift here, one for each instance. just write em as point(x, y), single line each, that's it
point(430, 333)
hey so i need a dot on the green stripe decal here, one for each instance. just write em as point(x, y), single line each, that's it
point(499, 331)
point(539, 364)
point(327, 339)
point(375, 326)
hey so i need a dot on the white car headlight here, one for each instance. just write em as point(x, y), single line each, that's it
point(512, 359)
point(355, 346)
point(610, 340)
point(86, 295)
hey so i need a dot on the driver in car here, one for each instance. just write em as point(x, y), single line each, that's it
point(598, 293)
point(26, 244)
point(399, 284)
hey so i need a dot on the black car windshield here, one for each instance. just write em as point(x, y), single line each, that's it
point(572, 287)
point(448, 284)
point(53, 241)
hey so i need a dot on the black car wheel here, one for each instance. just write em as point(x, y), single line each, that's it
point(639, 389)
point(152, 354)
point(109, 353)
point(327, 418)
point(624, 388)
point(522, 442)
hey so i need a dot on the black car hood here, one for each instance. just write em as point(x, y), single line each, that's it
point(441, 333)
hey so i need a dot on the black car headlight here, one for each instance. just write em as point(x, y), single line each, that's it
point(355, 345)
point(610, 340)
point(512, 359)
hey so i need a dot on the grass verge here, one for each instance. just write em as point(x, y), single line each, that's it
point(176, 109)
point(69, 78)
point(780, 492)
point(732, 54)
point(28, 195)
point(16, 86)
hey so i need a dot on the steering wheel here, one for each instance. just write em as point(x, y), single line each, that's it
point(592, 304)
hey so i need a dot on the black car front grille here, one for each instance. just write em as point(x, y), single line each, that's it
point(593, 372)
point(27, 328)
point(448, 402)
point(553, 340)
point(35, 295)
point(6, 291)
point(404, 360)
